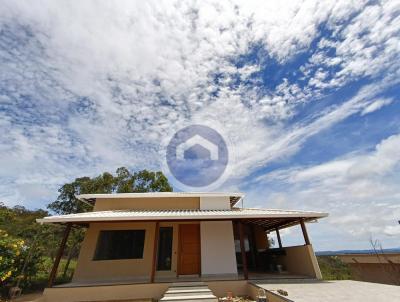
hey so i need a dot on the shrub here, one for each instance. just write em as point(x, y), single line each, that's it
point(10, 254)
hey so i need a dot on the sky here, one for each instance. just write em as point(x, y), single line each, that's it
point(306, 94)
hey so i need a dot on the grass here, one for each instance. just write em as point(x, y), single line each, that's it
point(39, 281)
point(332, 268)
point(48, 264)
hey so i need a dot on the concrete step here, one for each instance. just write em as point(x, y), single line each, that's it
point(190, 288)
point(195, 300)
point(193, 283)
point(189, 292)
point(190, 297)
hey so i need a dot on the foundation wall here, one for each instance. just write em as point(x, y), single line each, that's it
point(253, 291)
point(146, 292)
point(105, 293)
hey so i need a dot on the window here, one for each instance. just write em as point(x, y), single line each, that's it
point(121, 244)
point(164, 249)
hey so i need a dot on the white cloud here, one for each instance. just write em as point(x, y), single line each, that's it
point(376, 105)
point(360, 191)
point(392, 230)
point(91, 86)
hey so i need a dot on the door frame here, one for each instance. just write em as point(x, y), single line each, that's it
point(178, 269)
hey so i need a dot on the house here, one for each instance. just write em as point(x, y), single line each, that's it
point(376, 267)
point(137, 244)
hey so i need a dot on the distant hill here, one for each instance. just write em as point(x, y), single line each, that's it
point(341, 252)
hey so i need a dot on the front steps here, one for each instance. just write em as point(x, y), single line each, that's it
point(189, 292)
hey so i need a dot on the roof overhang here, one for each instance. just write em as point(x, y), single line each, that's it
point(268, 219)
point(234, 197)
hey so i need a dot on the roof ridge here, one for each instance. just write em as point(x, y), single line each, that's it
point(277, 210)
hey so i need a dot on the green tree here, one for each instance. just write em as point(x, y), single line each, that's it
point(141, 181)
point(66, 201)
point(18, 224)
point(123, 182)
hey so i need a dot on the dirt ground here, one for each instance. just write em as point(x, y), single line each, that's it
point(24, 298)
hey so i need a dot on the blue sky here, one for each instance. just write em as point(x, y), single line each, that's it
point(306, 94)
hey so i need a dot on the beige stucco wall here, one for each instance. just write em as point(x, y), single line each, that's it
point(371, 258)
point(87, 269)
point(215, 203)
point(301, 260)
point(126, 269)
point(105, 293)
point(217, 252)
point(376, 272)
point(217, 248)
point(379, 268)
point(165, 203)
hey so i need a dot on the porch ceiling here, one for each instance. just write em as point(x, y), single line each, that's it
point(272, 224)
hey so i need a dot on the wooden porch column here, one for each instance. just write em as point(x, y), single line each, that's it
point(60, 252)
point(254, 249)
point(153, 268)
point(303, 228)
point(278, 236)
point(243, 251)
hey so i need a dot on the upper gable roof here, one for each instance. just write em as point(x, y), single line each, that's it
point(234, 197)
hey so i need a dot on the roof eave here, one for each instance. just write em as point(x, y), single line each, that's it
point(52, 219)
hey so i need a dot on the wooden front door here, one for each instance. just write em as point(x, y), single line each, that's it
point(189, 249)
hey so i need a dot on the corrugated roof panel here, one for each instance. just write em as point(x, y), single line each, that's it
point(132, 215)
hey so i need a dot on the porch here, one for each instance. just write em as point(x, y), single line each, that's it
point(257, 260)
point(253, 276)
point(232, 245)
point(297, 262)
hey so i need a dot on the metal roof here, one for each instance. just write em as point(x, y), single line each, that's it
point(234, 197)
point(151, 215)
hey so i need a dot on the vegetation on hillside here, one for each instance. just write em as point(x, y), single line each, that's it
point(28, 249)
point(332, 268)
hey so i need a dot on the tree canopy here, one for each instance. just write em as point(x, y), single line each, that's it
point(122, 182)
point(24, 243)
point(27, 248)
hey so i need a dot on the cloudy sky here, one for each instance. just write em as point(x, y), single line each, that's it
point(306, 94)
